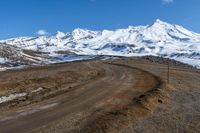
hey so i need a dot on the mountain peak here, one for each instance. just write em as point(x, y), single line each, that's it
point(79, 30)
point(159, 24)
point(159, 21)
point(60, 35)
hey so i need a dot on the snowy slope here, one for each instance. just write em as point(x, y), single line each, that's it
point(159, 39)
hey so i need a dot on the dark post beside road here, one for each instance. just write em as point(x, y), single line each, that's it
point(168, 71)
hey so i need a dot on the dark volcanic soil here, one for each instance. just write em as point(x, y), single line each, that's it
point(125, 95)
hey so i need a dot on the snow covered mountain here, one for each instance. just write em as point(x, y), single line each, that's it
point(158, 39)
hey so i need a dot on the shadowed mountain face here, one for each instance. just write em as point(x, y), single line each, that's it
point(159, 39)
point(12, 56)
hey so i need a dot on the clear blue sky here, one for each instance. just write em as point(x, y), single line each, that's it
point(26, 17)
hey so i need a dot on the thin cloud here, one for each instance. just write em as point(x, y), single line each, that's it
point(42, 32)
point(167, 1)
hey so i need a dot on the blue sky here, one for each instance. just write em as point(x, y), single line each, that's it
point(29, 17)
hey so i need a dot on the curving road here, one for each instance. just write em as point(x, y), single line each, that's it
point(117, 78)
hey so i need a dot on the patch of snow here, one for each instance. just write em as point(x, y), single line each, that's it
point(70, 58)
point(11, 97)
point(14, 67)
point(193, 62)
point(2, 60)
point(3, 68)
point(37, 90)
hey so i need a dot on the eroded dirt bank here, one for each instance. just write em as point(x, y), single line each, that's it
point(124, 95)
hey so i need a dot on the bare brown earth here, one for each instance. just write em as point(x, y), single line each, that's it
point(125, 95)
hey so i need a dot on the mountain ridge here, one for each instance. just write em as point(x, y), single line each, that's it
point(158, 39)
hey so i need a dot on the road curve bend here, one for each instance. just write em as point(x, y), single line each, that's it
point(120, 83)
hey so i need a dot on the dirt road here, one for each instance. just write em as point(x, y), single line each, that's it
point(126, 93)
point(117, 79)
